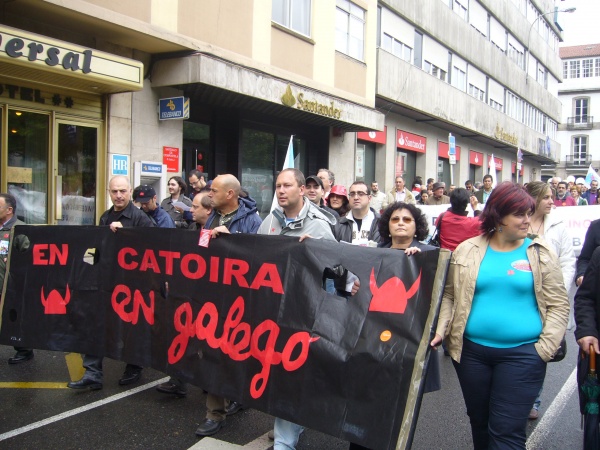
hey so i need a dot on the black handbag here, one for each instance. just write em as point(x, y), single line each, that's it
point(435, 237)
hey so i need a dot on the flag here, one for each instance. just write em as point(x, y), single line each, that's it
point(288, 163)
point(519, 155)
point(591, 175)
point(492, 170)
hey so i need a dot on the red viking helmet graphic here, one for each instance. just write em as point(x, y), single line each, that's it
point(55, 303)
point(391, 296)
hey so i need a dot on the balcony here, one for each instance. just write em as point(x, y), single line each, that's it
point(578, 160)
point(580, 123)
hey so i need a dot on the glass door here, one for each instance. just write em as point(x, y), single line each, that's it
point(27, 163)
point(76, 163)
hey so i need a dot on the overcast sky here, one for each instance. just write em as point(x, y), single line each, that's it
point(583, 25)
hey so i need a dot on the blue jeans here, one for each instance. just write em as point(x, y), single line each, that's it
point(499, 386)
point(286, 434)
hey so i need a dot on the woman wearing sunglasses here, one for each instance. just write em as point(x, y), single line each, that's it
point(503, 315)
point(402, 226)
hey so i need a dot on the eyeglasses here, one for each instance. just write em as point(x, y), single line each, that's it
point(357, 194)
point(404, 219)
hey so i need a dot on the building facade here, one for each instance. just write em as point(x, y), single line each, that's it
point(579, 94)
point(252, 74)
point(368, 89)
point(485, 71)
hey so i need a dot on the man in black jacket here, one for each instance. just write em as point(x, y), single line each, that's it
point(591, 242)
point(123, 214)
point(8, 219)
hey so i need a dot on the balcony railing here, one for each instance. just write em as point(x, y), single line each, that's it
point(578, 160)
point(580, 123)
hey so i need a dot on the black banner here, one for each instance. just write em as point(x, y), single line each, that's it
point(246, 318)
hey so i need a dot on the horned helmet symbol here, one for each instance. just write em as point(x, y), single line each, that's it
point(391, 296)
point(55, 303)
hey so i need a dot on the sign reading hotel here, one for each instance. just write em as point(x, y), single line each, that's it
point(41, 52)
point(305, 103)
point(410, 141)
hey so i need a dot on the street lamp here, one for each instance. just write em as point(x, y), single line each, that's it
point(528, 53)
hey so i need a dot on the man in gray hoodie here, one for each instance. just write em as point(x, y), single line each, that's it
point(296, 215)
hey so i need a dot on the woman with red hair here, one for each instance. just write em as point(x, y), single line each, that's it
point(504, 312)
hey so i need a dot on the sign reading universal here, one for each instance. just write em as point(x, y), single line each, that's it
point(40, 52)
point(312, 106)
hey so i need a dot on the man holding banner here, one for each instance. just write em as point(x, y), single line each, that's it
point(296, 216)
point(122, 214)
point(231, 214)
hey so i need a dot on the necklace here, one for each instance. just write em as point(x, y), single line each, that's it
point(537, 232)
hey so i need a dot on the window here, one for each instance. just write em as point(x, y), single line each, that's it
point(496, 105)
point(565, 69)
point(542, 75)
point(579, 150)
point(574, 66)
point(581, 110)
point(434, 70)
point(476, 92)
point(459, 9)
point(597, 65)
point(292, 14)
point(396, 47)
point(587, 66)
point(459, 79)
point(349, 29)
point(518, 57)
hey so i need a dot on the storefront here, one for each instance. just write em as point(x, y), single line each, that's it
point(241, 122)
point(366, 149)
point(408, 147)
point(53, 125)
point(475, 166)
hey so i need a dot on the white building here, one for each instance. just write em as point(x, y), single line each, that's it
point(579, 135)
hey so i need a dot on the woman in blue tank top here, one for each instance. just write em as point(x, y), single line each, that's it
point(504, 312)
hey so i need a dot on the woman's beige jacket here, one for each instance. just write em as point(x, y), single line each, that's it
point(550, 293)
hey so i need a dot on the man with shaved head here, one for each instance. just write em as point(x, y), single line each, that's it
point(123, 213)
point(231, 214)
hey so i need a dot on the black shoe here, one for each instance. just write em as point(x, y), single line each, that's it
point(209, 427)
point(21, 356)
point(130, 376)
point(233, 408)
point(85, 383)
point(172, 388)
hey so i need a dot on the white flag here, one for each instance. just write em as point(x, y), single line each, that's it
point(591, 175)
point(287, 164)
point(492, 170)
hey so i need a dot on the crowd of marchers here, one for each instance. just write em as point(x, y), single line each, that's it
point(500, 341)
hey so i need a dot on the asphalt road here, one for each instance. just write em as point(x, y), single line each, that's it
point(38, 411)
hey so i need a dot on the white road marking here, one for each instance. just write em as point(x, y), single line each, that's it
point(208, 443)
point(64, 415)
point(536, 438)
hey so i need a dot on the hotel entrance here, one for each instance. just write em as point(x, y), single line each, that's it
point(49, 163)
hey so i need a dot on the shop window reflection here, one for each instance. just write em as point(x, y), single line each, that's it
point(27, 168)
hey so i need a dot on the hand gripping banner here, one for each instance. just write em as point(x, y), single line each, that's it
point(246, 318)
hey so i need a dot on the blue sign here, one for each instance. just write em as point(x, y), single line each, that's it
point(174, 108)
point(152, 168)
point(119, 165)
point(452, 145)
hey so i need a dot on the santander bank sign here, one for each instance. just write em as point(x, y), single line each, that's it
point(410, 141)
